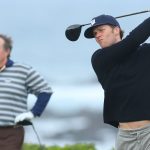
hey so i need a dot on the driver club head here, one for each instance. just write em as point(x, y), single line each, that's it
point(73, 32)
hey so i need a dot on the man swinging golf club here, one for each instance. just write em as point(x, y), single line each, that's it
point(123, 69)
point(16, 82)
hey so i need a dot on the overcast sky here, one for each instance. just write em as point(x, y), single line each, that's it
point(37, 28)
point(38, 31)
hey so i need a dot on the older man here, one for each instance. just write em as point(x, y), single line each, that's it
point(16, 82)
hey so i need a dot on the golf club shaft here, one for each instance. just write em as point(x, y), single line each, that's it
point(85, 24)
point(39, 141)
point(136, 13)
point(132, 14)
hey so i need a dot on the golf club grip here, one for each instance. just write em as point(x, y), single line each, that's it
point(24, 123)
point(132, 14)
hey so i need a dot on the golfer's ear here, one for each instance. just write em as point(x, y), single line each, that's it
point(7, 51)
point(117, 30)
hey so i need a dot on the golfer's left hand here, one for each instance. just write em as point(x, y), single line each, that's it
point(24, 116)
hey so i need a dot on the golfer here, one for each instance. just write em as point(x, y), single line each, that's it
point(16, 82)
point(123, 69)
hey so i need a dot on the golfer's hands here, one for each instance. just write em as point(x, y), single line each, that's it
point(24, 116)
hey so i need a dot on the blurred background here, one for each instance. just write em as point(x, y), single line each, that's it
point(37, 27)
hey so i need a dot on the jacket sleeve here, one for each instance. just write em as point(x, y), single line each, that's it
point(38, 86)
point(41, 103)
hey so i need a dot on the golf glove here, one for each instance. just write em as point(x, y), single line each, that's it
point(24, 116)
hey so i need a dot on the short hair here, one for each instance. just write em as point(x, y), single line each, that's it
point(121, 31)
point(8, 42)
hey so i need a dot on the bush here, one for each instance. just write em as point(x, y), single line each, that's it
point(66, 147)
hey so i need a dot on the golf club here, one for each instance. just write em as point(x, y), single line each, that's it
point(73, 32)
point(27, 123)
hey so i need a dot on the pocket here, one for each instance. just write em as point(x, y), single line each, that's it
point(147, 147)
point(19, 135)
point(126, 142)
point(146, 142)
point(120, 141)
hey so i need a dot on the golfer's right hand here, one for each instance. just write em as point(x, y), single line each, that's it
point(24, 116)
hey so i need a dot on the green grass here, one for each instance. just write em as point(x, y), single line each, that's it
point(66, 147)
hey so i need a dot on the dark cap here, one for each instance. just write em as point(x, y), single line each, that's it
point(100, 20)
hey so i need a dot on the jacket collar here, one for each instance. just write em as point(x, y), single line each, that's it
point(9, 63)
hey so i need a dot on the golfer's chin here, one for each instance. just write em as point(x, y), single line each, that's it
point(104, 45)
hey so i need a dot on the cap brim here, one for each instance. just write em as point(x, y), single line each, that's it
point(89, 33)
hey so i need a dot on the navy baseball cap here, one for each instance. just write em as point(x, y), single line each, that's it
point(100, 20)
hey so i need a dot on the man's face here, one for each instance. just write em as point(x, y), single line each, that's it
point(106, 35)
point(3, 52)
